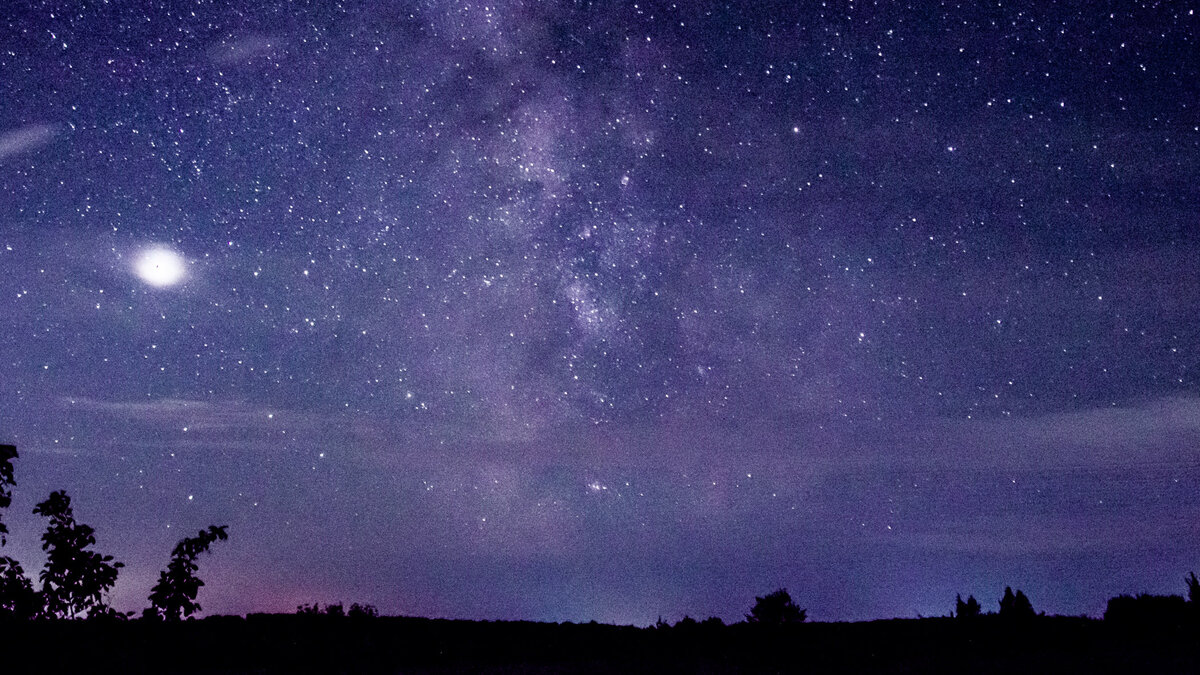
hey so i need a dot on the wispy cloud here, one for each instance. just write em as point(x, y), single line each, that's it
point(195, 415)
point(25, 139)
point(243, 50)
point(1121, 427)
point(49, 449)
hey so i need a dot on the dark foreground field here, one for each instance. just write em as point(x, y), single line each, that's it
point(293, 643)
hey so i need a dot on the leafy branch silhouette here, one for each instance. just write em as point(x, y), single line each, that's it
point(74, 579)
point(7, 454)
point(173, 598)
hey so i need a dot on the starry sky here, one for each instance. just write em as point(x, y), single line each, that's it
point(571, 310)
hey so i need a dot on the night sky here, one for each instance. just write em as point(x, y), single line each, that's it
point(575, 310)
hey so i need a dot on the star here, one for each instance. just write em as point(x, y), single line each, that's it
point(160, 267)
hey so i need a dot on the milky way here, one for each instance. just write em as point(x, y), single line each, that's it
point(568, 310)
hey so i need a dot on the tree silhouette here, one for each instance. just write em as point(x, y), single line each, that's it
point(363, 611)
point(7, 454)
point(775, 609)
point(1147, 612)
point(1193, 585)
point(1015, 606)
point(74, 578)
point(174, 596)
point(17, 597)
point(966, 610)
point(18, 600)
point(686, 623)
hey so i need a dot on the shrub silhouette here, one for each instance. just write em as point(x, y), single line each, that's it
point(1146, 611)
point(966, 610)
point(174, 596)
point(776, 609)
point(1015, 607)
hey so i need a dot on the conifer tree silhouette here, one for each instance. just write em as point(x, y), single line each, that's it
point(74, 578)
point(174, 596)
point(966, 610)
point(1015, 606)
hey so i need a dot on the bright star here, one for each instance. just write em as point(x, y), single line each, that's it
point(160, 267)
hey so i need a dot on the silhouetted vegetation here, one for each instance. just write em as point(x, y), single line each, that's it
point(776, 609)
point(356, 611)
point(363, 611)
point(315, 610)
point(18, 600)
point(74, 579)
point(322, 644)
point(7, 480)
point(1015, 607)
point(174, 596)
point(1147, 611)
point(966, 610)
point(1146, 633)
point(17, 597)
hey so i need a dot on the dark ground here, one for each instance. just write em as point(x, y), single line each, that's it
point(293, 643)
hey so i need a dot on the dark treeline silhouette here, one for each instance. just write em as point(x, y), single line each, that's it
point(1144, 610)
point(1157, 612)
point(67, 626)
point(1013, 607)
point(326, 643)
point(356, 611)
